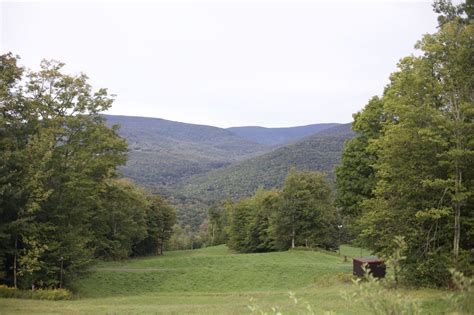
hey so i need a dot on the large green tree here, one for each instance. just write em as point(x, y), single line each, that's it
point(306, 214)
point(260, 233)
point(424, 155)
point(120, 222)
point(160, 220)
point(57, 154)
point(217, 217)
point(240, 216)
point(355, 177)
point(251, 222)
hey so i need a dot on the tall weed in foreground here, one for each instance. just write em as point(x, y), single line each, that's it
point(379, 295)
point(379, 298)
point(256, 309)
point(461, 301)
point(300, 306)
point(382, 296)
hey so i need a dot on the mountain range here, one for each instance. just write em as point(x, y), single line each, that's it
point(163, 153)
point(319, 152)
point(195, 166)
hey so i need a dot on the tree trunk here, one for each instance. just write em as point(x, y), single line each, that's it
point(61, 274)
point(458, 181)
point(457, 212)
point(293, 238)
point(461, 138)
point(457, 217)
point(15, 263)
point(212, 234)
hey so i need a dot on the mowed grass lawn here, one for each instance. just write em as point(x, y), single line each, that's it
point(215, 280)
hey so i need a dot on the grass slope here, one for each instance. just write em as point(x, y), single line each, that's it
point(213, 269)
point(320, 152)
point(214, 281)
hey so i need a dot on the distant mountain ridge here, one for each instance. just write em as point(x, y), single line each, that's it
point(163, 152)
point(278, 136)
point(194, 166)
point(319, 152)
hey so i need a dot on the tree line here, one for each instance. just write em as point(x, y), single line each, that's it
point(410, 170)
point(62, 204)
point(300, 214)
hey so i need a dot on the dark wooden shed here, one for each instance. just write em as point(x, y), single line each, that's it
point(375, 265)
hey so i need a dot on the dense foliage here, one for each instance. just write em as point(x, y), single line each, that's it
point(301, 214)
point(410, 170)
point(356, 174)
point(60, 202)
point(160, 219)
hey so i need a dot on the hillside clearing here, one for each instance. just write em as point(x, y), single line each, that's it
point(214, 281)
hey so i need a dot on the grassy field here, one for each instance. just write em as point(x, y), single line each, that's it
point(351, 251)
point(216, 281)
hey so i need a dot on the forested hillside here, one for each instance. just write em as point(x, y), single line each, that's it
point(278, 136)
point(320, 152)
point(163, 152)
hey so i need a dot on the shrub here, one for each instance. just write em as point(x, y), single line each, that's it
point(462, 299)
point(7, 292)
point(376, 296)
point(433, 270)
point(41, 294)
point(346, 278)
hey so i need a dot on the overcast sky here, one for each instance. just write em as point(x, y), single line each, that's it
point(224, 63)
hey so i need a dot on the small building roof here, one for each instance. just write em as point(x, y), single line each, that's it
point(371, 259)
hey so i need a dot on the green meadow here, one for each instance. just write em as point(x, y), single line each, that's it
point(215, 280)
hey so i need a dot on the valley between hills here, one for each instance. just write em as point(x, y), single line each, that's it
point(195, 166)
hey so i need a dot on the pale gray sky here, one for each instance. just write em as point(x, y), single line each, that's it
point(224, 63)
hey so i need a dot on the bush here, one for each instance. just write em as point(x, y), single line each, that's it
point(433, 270)
point(466, 262)
point(462, 299)
point(346, 278)
point(41, 294)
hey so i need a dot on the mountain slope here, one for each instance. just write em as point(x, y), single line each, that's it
point(319, 152)
point(277, 136)
point(163, 153)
